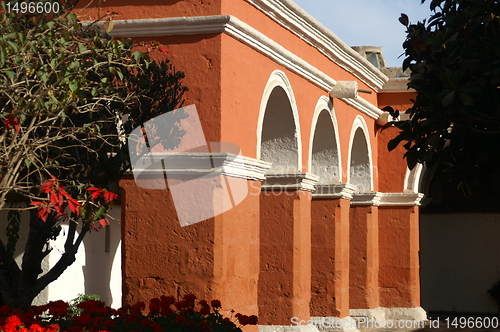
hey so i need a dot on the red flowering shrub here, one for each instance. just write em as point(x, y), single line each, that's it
point(165, 315)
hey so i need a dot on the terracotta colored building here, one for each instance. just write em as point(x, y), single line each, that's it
point(330, 225)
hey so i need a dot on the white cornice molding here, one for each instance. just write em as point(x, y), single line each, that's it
point(263, 44)
point(386, 199)
point(290, 182)
point(194, 164)
point(401, 199)
point(233, 27)
point(366, 199)
point(334, 191)
point(298, 21)
point(244, 33)
point(364, 107)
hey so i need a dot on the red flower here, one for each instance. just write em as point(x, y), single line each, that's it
point(191, 297)
point(167, 299)
point(107, 195)
point(215, 304)
point(11, 120)
point(36, 328)
point(43, 210)
point(53, 328)
point(205, 310)
point(163, 50)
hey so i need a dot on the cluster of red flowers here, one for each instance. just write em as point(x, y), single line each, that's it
point(57, 193)
point(59, 199)
point(165, 314)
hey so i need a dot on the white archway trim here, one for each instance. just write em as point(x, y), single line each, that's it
point(324, 103)
point(413, 179)
point(359, 122)
point(278, 78)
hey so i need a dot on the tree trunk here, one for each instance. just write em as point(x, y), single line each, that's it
point(18, 287)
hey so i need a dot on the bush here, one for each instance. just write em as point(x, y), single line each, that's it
point(163, 314)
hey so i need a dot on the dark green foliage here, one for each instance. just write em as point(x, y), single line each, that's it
point(454, 124)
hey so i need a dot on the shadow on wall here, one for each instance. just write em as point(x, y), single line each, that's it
point(96, 270)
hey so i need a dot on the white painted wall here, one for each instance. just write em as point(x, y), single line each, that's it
point(95, 270)
point(460, 260)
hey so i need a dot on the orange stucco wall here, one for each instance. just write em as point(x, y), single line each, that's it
point(364, 257)
point(393, 164)
point(330, 257)
point(399, 258)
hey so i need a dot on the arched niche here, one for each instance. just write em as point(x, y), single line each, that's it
point(324, 157)
point(278, 132)
point(360, 160)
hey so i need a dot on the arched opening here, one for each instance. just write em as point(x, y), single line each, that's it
point(279, 139)
point(325, 161)
point(360, 172)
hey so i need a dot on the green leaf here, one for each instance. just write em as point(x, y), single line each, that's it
point(13, 46)
point(2, 57)
point(10, 74)
point(22, 37)
point(137, 55)
point(101, 213)
point(73, 86)
point(9, 36)
point(82, 48)
point(449, 98)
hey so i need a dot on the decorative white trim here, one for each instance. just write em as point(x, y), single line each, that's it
point(233, 27)
point(335, 323)
point(302, 24)
point(251, 37)
point(324, 103)
point(334, 191)
point(191, 164)
point(287, 328)
point(366, 199)
point(294, 181)
point(359, 122)
point(279, 78)
point(364, 107)
point(401, 199)
point(413, 178)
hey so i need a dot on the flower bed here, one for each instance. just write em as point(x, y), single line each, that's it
point(164, 314)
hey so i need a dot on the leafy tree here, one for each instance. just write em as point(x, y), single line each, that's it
point(454, 123)
point(69, 97)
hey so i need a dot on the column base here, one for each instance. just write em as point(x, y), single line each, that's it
point(335, 323)
point(288, 328)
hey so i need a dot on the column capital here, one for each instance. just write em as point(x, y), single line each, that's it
point(386, 199)
point(290, 181)
point(366, 199)
point(193, 164)
point(334, 191)
point(401, 199)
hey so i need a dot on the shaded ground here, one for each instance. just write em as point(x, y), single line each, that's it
point(448, 322)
